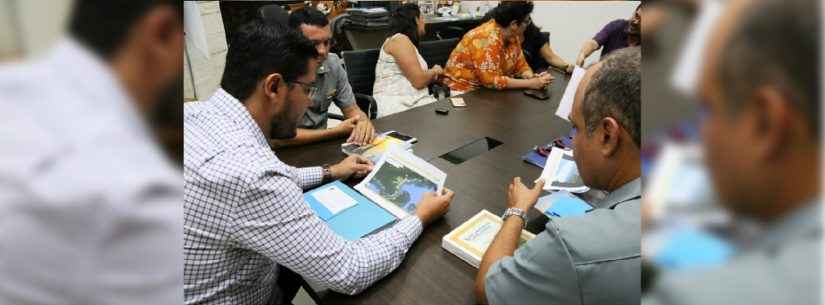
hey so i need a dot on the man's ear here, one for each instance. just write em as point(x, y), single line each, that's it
point(771, 122)
point(273, 84)
point(609, 134)
point(164, 33)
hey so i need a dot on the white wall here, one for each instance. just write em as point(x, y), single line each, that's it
point(206, 72)
point(39, 22)
point(571, 23)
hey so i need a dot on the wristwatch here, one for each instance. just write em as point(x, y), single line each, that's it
point(517, 212)
point(327, 173)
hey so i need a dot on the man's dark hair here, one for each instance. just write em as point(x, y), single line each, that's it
point(309, 16)
point(103, 25)
point(258, 50)
point(775, 42)
point(615, 90)
point(508, 11)
point(404, 20)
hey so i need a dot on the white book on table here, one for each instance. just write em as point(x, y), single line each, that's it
point(470, 240)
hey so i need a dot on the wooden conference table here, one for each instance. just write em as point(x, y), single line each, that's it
point(430, 274)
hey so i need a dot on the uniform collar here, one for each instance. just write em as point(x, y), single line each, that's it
point(802, 223)
point(626, 192)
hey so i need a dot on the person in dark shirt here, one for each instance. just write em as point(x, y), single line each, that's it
point(538, 53)
point(617, 34)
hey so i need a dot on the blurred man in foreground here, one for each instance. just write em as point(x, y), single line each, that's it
point(90, 208)
point(759, 86)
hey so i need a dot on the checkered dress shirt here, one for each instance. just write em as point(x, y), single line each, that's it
point(244, 215)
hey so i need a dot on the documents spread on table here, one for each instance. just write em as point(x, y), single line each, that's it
point(348, 213)
point(377, 148)
point(471, 239)
point(390, 192)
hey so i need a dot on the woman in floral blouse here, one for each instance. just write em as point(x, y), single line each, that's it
point(490, 55)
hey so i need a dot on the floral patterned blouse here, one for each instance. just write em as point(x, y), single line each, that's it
point(481, 59)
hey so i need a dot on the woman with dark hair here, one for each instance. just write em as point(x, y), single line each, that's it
point(401, 74)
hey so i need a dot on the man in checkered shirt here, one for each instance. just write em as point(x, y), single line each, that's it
point(244, 213)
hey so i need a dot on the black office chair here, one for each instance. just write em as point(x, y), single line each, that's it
point(274, 14)
point(437, 52)
point(450, 32)
point(360, 67)
point(338, 36)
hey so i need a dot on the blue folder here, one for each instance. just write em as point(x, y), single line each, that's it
point(565, 204)
point(689, 247)
point(354, 222)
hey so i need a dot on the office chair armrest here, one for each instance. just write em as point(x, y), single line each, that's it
point(367, 104)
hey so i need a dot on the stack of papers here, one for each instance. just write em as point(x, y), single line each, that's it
point(470, 240)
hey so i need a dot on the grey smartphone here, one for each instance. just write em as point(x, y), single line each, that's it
point(537, 94)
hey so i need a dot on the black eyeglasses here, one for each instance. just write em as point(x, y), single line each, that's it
point(307, 88)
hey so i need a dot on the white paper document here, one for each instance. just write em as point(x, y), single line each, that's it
point(561, 174)
point(686, 73)
point(566, 103)
point(399, 181)
point(334, 199)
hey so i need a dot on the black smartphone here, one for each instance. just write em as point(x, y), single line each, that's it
point(402, 137)
point(537, 94)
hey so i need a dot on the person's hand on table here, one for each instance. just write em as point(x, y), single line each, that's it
point(347, 126)
point(519, 196)
point(431, 206)
point(353, 166)
point(540, 81)
point(547, 75)
point(363, 133)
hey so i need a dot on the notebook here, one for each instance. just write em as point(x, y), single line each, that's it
point(347, 212)
point(470, 240)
